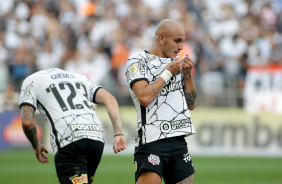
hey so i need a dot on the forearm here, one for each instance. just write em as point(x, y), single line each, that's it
point(31, 133)
point(147, 93)
point(114, 114)
point(29, 125)
point(153, 90)
point(190, 92)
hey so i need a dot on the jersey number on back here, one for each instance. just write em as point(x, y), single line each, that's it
point(52, 88)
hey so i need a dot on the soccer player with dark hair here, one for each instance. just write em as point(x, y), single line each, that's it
point(163, 91)
point(76, 132)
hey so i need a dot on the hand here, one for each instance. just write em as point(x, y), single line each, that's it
point(119, 143)
point(175, 66)
point(187, 65)
point(39, 154)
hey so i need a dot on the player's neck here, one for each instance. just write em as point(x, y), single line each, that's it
point(156, 52)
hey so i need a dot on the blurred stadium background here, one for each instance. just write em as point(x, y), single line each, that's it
point(237, 49)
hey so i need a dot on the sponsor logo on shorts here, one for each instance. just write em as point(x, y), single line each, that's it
point(80, 180)
point(135, 163)
point(187, 157)
point(154, 159)
point(73, 176)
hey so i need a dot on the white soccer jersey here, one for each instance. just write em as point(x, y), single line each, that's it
point(168, 115)
point(63, 99)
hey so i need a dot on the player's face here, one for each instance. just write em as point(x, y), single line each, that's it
point(173, 44)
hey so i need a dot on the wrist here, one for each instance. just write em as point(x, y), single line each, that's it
point(118, 135)
point(166, 75)
point(188, 76)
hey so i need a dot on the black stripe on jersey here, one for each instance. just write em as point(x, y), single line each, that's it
point(140, 136)
point(25, 103)
point(143, 121)
point(94, 95)
point(139, 79)
point(143, 115)
point(53, 129)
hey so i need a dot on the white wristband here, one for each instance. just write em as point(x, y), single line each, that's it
point(166, 75)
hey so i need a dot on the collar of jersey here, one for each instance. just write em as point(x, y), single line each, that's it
point(151, 56)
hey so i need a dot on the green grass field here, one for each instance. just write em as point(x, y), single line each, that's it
point(21, 166)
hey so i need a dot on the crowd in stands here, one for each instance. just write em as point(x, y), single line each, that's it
point(95, 38)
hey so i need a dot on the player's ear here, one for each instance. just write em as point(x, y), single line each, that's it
point(161, 38)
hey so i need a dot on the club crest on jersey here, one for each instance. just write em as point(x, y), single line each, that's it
point(154, 159)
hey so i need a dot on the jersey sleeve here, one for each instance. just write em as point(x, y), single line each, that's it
point(135, 70)
point(93, 88)
point(28, 93)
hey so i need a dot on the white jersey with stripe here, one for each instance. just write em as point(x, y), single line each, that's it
point(64, 99)
point(168, 115)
